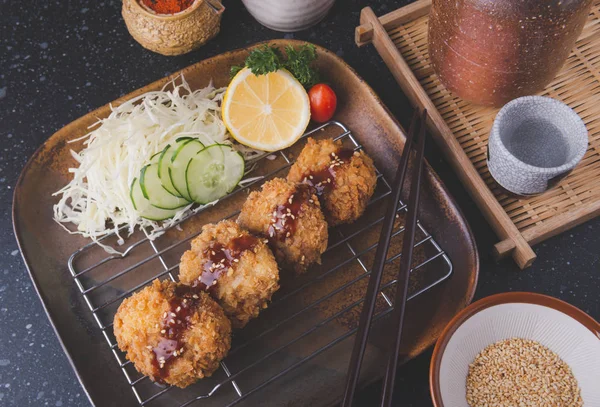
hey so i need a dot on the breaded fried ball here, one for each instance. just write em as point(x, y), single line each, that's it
point(238, 270)
point(172, 333)
point(289, 216)
point(345, 180)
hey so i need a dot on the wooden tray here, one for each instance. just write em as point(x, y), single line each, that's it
point(46, 248)
point(461, 128)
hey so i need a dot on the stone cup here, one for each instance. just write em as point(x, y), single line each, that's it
point(534, 143)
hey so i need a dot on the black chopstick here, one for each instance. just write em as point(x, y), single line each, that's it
point(410, 226)
point(366, 316)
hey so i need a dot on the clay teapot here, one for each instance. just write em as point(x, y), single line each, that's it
point(492, 51)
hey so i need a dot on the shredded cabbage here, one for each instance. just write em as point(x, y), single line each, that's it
point(97, 200)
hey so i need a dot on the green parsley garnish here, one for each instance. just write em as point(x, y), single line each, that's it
point(299, 61)
point(269, 58)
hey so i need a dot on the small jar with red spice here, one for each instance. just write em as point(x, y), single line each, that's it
point(167, 6)
point(172, 27)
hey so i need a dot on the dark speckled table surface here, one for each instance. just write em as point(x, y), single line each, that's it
point(61, 59)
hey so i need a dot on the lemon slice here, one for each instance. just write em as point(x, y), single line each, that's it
point(266, 112)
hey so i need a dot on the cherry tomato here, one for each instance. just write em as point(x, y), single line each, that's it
point(322, 102)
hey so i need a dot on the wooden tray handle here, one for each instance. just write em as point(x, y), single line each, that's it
point(363, 34)
point(372, 29)
point(503, 248)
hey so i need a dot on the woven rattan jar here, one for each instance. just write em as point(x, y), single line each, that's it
point(173, 34)
point(492, 51)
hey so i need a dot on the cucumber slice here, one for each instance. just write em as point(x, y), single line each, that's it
point(213, 173)
point(165, 161)
point(178, 165)
point(163, 170)
point(154, 159)
point(144, 207)
point(154, 191)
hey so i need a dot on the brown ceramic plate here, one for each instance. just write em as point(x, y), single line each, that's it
point(498, 324)
point(46, 247)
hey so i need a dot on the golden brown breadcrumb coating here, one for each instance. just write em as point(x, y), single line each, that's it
point(296, 248)
point(353, 184)
point(204, 343)
point(247, 285)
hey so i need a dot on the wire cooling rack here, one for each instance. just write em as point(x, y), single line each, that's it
point(308, 316)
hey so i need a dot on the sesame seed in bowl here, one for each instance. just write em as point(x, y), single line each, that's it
point(517, 349)
point(518, 371)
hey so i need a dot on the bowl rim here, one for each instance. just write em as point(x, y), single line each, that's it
point(487, 302)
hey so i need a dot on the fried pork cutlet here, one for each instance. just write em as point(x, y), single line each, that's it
point(237, 268)
point(289, 216)
point(343, 178)
point(172, 333)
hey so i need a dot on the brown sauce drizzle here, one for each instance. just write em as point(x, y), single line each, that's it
point(285, 217)
point(177, 320)
point(324, 180)
point(221, 258)
point(173, 325)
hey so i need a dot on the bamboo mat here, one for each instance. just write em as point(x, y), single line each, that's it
point(577, 197)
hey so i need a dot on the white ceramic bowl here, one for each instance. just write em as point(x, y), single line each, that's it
point(288, 15)
point(564, 329)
